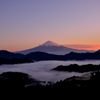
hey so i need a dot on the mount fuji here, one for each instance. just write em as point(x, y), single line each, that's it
point(52, 48)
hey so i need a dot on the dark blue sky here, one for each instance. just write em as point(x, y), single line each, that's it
point(27, 23)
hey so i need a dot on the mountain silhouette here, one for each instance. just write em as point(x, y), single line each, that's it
point(10, 55)
point(98, 51)
point(50, 43)
point(70, 56)
point(7, 57)
point(43, 56)
point(52, 48)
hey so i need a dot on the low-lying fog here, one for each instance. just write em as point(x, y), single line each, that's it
point(42, 70)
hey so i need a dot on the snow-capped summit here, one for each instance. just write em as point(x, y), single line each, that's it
point(52, 48)
point(49, 43)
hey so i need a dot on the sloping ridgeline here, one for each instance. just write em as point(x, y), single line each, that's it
point(78, 68)
point(38, 56)
point(7, 57)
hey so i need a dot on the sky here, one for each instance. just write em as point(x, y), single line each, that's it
point(28, 23)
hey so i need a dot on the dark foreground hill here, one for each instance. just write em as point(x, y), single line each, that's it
point(78, 68)
point(17, 80)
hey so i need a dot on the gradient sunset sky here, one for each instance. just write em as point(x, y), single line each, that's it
point(27, 23)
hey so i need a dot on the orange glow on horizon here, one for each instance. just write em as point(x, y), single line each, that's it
point(85, 47)
point(75, 46)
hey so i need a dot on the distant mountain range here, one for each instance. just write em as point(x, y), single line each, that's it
point(38, 56)
point(52, 48)
point(7, 57)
